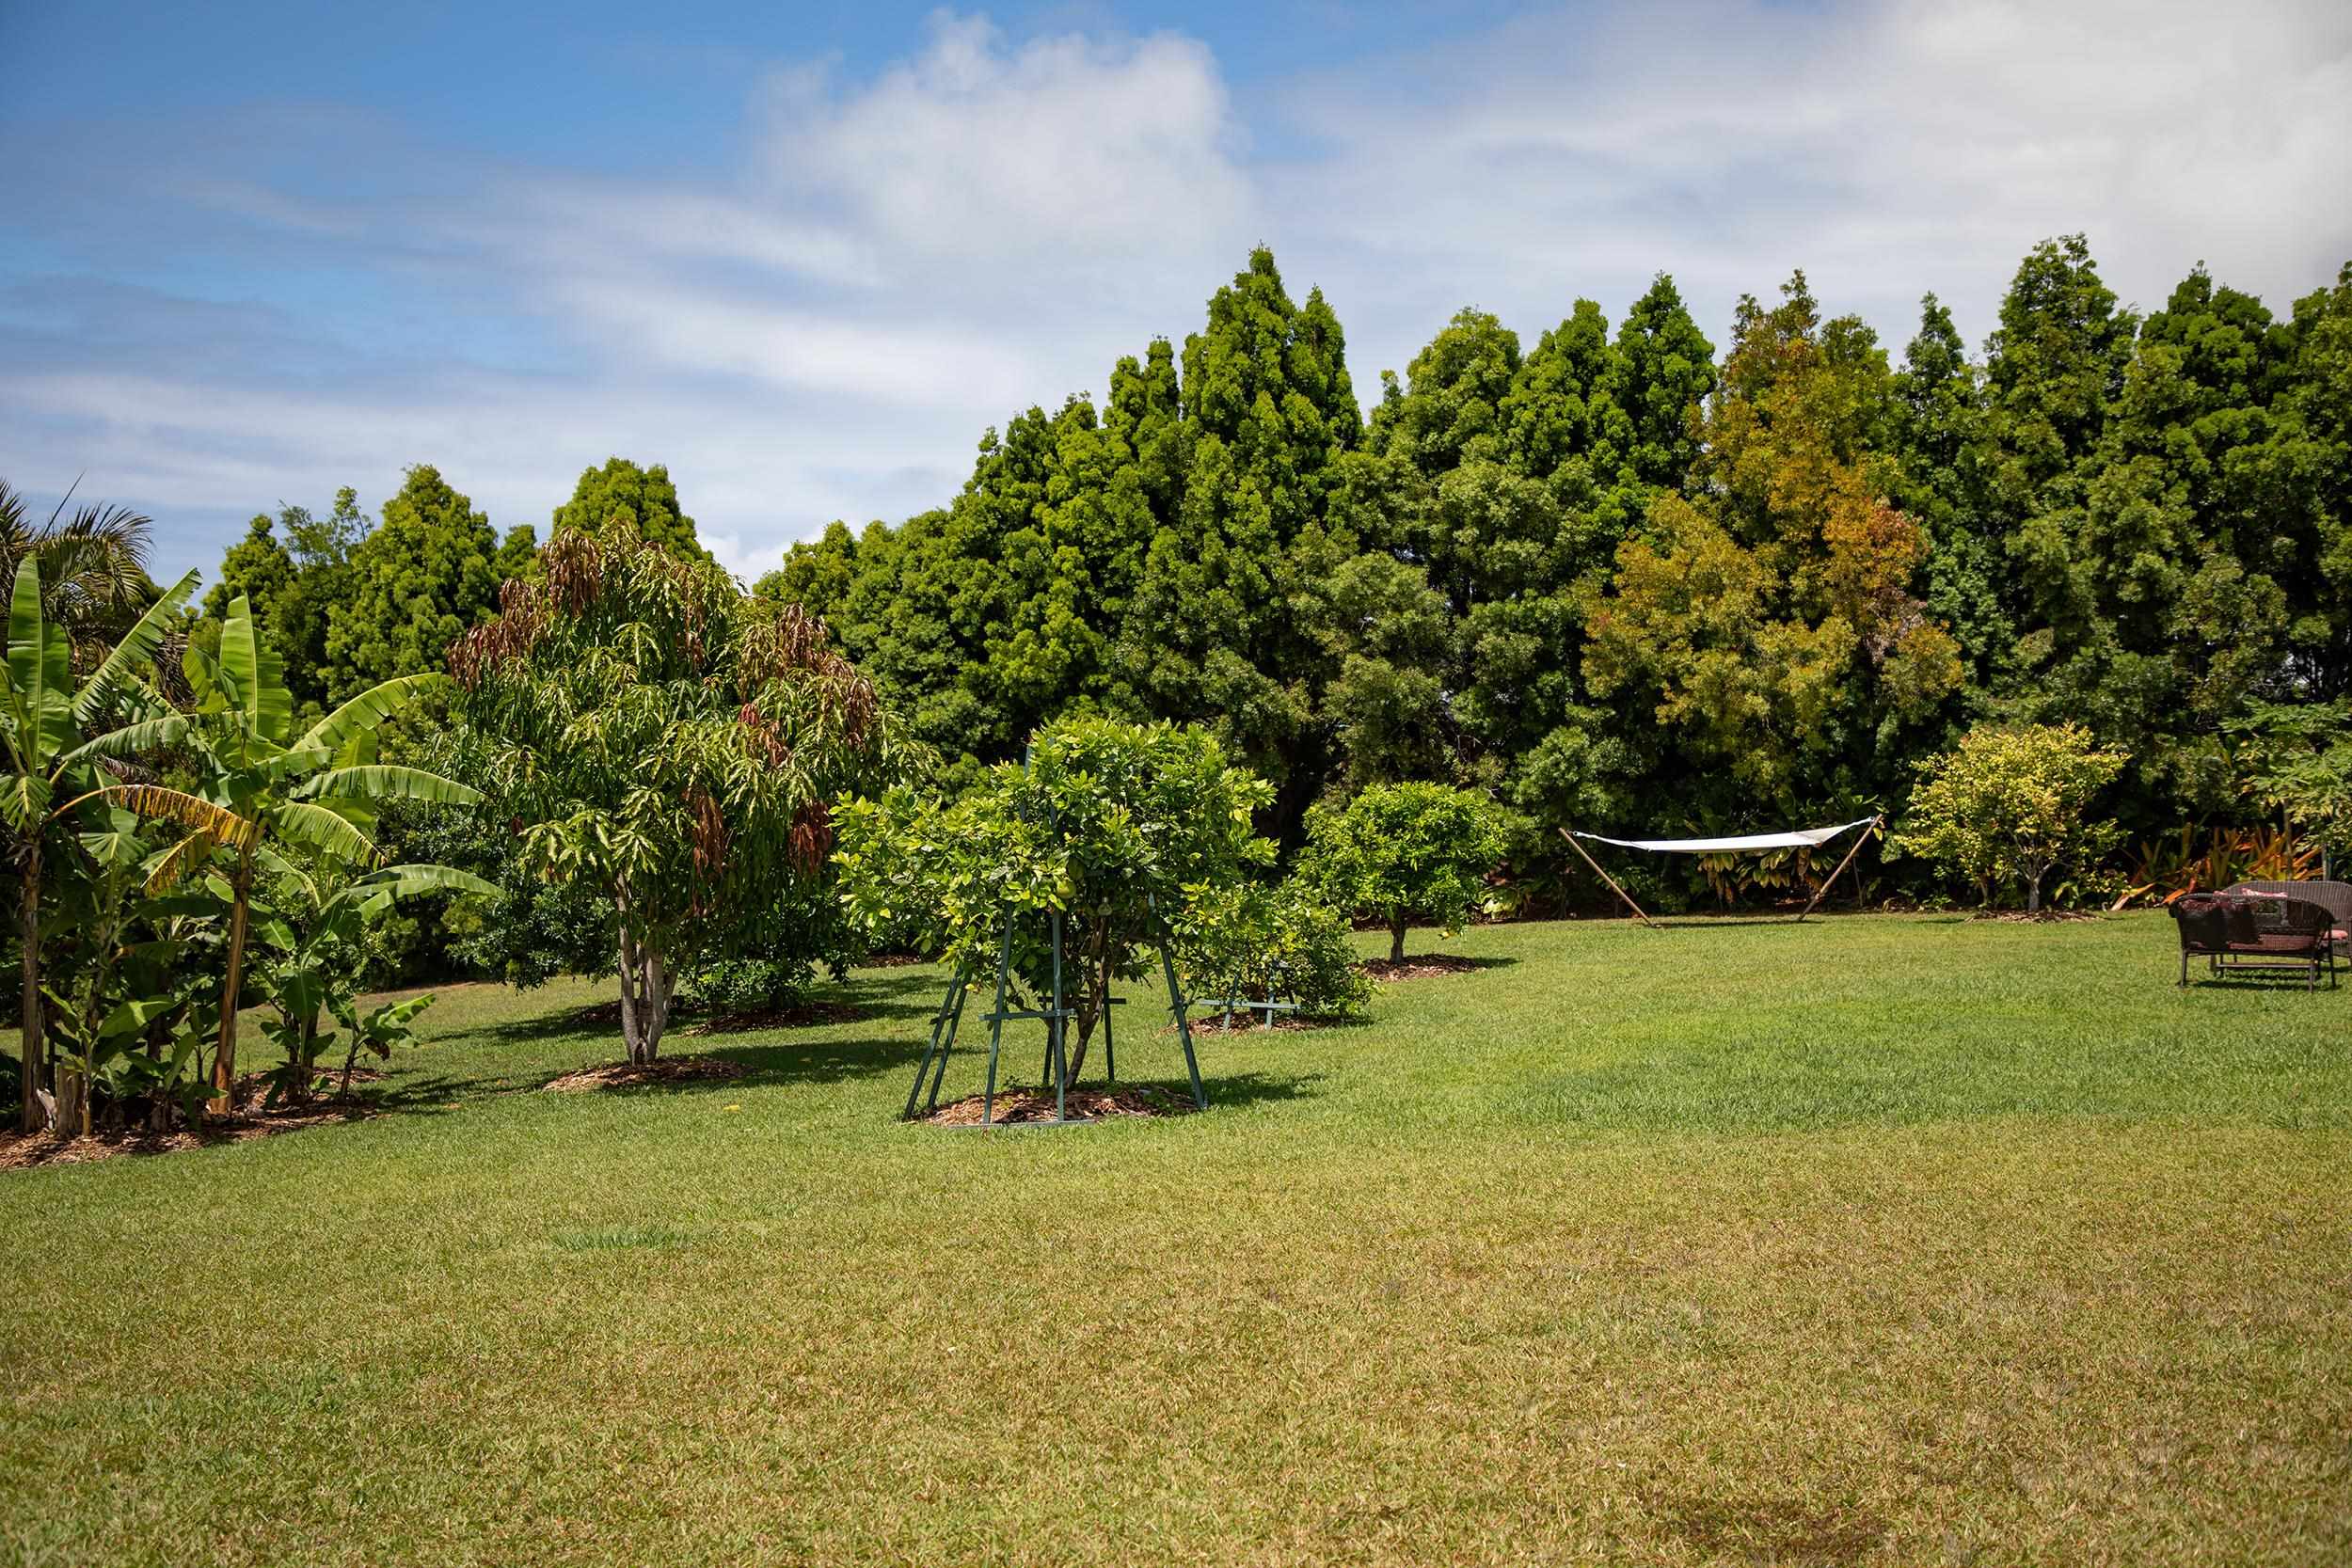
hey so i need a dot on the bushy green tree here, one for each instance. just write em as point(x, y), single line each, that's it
point(1271, 942)
point(1116, 827)
point(645, 498)
point(294, 570)
point(1405, 851)
point(670, 743)
point(1771, 620)
point(428, 572)
point(2296, 759)
point(2012, 802)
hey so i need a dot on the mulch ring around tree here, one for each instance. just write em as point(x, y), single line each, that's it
point(631, 1075)
point(607, 1015)
point(1421, 968)
point(1014, 1106)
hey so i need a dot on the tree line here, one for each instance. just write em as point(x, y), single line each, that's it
point(1617, 579)
point(1621, 582)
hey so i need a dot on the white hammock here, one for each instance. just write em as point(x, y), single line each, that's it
point(1796, 838)
point(1799, 838)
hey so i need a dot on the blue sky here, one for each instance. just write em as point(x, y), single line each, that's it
point(805, 255)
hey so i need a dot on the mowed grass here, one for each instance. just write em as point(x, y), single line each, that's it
point(1878, 1240)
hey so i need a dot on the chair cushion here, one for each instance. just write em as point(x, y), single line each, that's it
point(2278, 942)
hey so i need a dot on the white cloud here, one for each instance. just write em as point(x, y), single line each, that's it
point(1887, 148)
point(900, 260)
point(975, 151)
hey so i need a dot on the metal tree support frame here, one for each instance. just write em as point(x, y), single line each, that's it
point(1237, 1003)
point(1056, 1017)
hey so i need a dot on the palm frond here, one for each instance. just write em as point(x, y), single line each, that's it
point(160, 805)
point(136, 647)
point(324, 830)
point(368, 709)
point(279, 866)
point(389, 782)
point(403, 882)
point(148, 734)
point(171, 867)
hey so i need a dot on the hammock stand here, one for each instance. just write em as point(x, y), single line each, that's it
point(1801, 838)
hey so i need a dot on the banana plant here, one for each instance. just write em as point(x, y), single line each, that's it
point(315, 956)
point(90, 1025)
point(43, 721)
point(265, 789)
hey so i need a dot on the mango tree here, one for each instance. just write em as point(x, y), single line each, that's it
point(660, 735)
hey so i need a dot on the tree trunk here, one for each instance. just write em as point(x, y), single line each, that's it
point(158, 1105)
point(1396, 937)
point(72, 1117)
point(2033, 894)
point(225, 1059)
point(28, 933)
point(645, 987)
point(1098, 996)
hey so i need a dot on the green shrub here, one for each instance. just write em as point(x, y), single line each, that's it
point(1272, 944)
point(2010, 805)
point(1404, 851)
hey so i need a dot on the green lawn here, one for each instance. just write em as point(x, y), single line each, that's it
point(1886, 1240)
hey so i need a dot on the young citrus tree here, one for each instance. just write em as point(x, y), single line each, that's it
point(1117, 828)
point(1404, 851)
point(2011, 803)
point(665, 739)
point(1269, 944)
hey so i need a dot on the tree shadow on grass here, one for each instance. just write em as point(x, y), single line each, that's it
point(883, 995)
point(825, 1061)
point(434, 1096)
point(1222, 1089)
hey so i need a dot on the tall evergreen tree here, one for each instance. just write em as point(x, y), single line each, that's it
point(643, 496)
point(428, 571)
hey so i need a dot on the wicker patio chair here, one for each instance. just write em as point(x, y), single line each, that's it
point(2335, 897)
point(2237, 932)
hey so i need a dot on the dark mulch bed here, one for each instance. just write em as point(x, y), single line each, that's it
point(892, 960)
point(20, 1152)
point(1019, 1105)
point(630, 1075)
point(1419, 967)
point(781, 1017)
